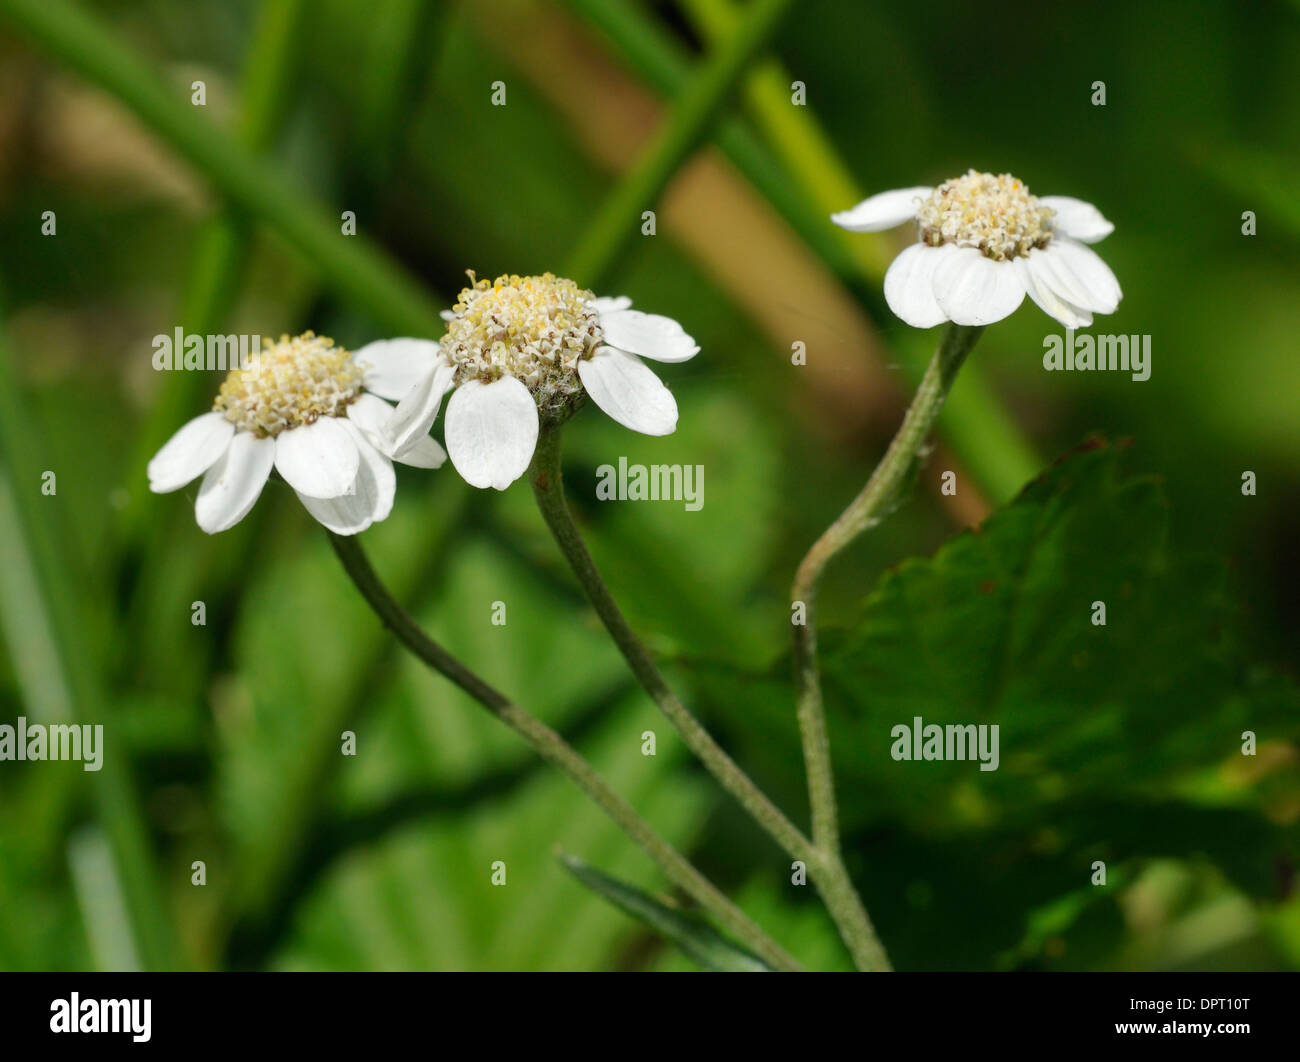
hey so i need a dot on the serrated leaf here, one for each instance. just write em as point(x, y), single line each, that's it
point(998, 629)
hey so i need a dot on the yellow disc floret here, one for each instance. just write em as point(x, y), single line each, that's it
point(290, 383)
point(534, 328)
point(995, 214)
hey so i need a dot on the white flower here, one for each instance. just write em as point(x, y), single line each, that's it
point(314, 412)
point(522, 349)
point(984, 244)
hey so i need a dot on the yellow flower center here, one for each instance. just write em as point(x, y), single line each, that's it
point(995, 214)
point(290, 383)
point(534, 328)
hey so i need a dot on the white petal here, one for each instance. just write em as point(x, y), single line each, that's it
point(1077, 219)
point(1051, 271)
point(370, 498)
point(319, 459)
point(1087, 275)
point(650, 335)
point(394, 366)
point(975, 290)
point(909, 285)
point(190, 452)
point(425, 452)
point(447, 315)
point(1039, 288)
point(234, 483)
point(416, 412)
point(882, 211)
point(371, 414)
point(491, 431)
point(625, 388)
point(610, 303)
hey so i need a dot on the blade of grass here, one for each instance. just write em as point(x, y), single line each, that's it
point(695, 937)
point(797, 138)
point(687, 125)
point(99, 895)
point(659, 60)
point(41, 614)
point(352, 265)
point(396, 70)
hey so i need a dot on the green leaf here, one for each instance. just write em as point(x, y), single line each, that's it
point(695, 937)
point(998, 628)
point(1119, 743)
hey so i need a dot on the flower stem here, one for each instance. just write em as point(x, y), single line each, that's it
point(863, 513)
point(554, 749)
point(548, 488)
point(824, 866)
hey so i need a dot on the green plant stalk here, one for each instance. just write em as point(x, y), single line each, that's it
point(684, 128)
point(797, 137)
point(398, 65)
point(824, 865)
point(657, 58)
point(864, 512)
point(34, 545)
point(555, 750)
point(350, 264)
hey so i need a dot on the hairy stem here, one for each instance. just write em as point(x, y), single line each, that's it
point(824, 866)
point(554, 749)
point(864, 512)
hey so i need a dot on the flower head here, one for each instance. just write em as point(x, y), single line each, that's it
point(314, 412)
point(523, 350)
point(534, 329)
point(984, 243)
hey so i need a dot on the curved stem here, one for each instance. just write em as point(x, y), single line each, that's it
point(548, 488)
point(554, 749)
point(824, 866)
point(863, 513)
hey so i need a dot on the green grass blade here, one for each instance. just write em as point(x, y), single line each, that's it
point(40, 614)
point(352, 265)
point(684, 128)
point(696, 938)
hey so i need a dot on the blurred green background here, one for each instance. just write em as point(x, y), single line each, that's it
point(1119, 744)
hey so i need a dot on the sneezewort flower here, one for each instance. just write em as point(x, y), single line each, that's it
point(522, 351)
point(983, 244)
point(315, 413)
